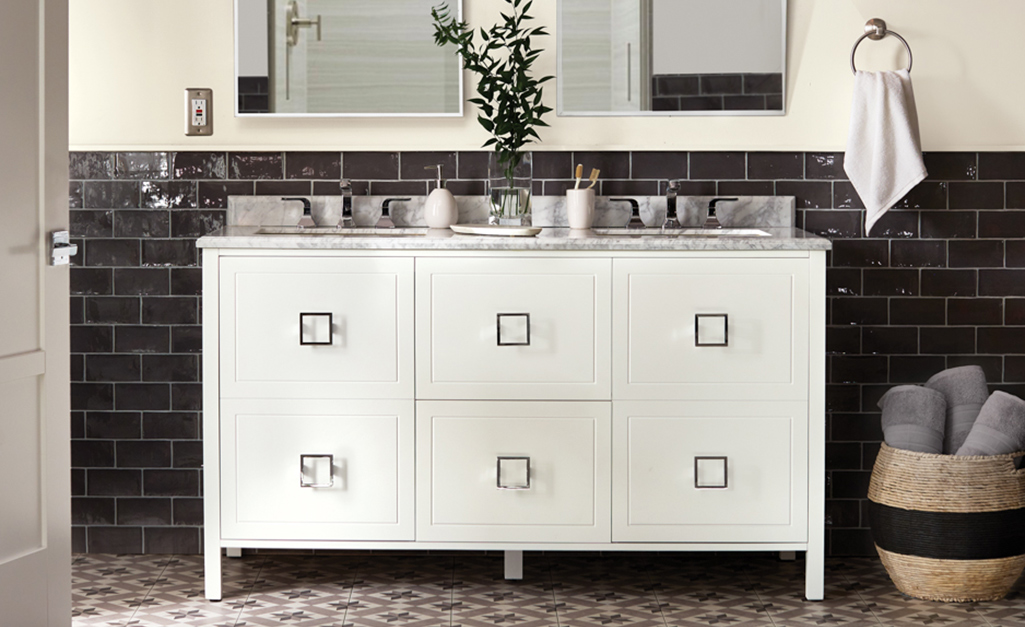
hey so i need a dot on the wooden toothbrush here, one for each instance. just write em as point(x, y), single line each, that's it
point(593, 177)
point(579, 173)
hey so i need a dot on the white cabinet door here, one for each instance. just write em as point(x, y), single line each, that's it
point(317, 470)
point(524, 328)
point(710, 472)
point(711, 329)
point(473, 469)
point(316, 327)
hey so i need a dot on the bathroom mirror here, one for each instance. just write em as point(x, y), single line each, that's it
point(372, 58)
point(671, 57)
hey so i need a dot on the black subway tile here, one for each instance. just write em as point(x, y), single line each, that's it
point(172, 540)
point(889, 341)
point(188, 454)
point(460, 188)
point(718, 165)
point(92, 396)
point(925, 195)
point(695, 188)
point(1014, 368)
point(860, 253)
point(171, 425)
point(1015, 195)
point(658, 165)
point(918, 253)
point(171, 482)
point(912, 369)
point(170, 368)
point(110, 194)
point(763, 83)
point(858, 369)
point(112, 310)
point(115, 425)
point(843, 340)
point(198, 165)
point(168, 195)
point(154, 223)
point(975, 311)
point(890, 282)
point(375, 166)
point(843, 513)
point(951, 166)
point(115, 540)
point(413, 165)
point(937, 282)
point(834, 223)
point(845, 196)
point(90, 165)
point(1002, 165)
point(721, 84)
point(142, 396)
point(169, 252)
point(613, 165)
point(136, 281)
point(948, 224)
point(842, 398)
point(186, 396)
point(1015, 253)
point(746, 188)
point(142, 339)
point(144, 454)
point(843, 282)
point(896, 224)
point(1002, 340)
point(283, 188)
point(859, 311)
point(965, 195)
point(112, 252)
point(629, 188)
point(975, 253)
point(77, 309)
point(75, 195)
point(316, 165)
point(214, 194)
point(824, 165)
point(474, 165)
point(1014, 311)
point(1001, 282)
point(1002, 224)
point(398, 188)
point(775, 165)
point(546, 165)
point(82, 223)
point(187, 281)
point(917, 311)
point(91, 281)
point(92, 511)
point(677, 85)
point(114, 482)
point(743, 103)
point(142, 165)
point(947, 340)
point(144, 511)
point(186, 339)
point(92, 453)
point(112, 368)
point(92, 339)
point(853, 542)
point(188, 512)
point(255, 165)
point(809, 194)
point(856, 427)
point(194, 224)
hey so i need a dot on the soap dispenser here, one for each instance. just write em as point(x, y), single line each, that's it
point(440, 211)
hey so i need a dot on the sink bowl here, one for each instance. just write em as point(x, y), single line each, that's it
point(656, 232)
point(339, 232)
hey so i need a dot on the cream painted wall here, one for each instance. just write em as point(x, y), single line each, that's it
point(130, 61)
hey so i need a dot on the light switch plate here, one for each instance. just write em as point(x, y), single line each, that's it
point(199, 111)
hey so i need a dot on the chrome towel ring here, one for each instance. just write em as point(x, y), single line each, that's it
point(875, 29)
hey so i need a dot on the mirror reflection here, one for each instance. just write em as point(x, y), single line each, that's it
point(671, 57)
point(343, 57)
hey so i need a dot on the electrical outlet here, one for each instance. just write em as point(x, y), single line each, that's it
point(199, 111)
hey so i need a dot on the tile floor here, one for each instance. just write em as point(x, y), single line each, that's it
point(466, 590)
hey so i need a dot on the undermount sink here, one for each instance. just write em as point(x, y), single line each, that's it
point(657, 232)
point(340, 232)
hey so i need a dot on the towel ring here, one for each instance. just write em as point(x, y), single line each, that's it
point(875, 29)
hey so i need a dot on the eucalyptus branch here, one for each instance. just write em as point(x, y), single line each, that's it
point(509, 102)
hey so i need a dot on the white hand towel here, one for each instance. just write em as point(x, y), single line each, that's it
point(884, 151)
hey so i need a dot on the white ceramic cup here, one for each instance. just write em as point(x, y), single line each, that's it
point(580, 208)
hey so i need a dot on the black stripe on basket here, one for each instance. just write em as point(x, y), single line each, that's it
point(948, 535)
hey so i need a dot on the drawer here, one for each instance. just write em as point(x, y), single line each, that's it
point(711, 329)
point(710, 472)
point(513, 471)
point(533, 328)
point(323, 327)
point(355, 457)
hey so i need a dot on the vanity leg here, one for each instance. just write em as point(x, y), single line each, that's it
point(814, 576)
point(787, 556)
point(234, 551)
point(212, 573)
point(514, 564)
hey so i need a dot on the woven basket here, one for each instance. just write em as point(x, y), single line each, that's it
point(949, 528)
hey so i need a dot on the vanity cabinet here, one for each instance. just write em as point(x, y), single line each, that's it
point(514, 400)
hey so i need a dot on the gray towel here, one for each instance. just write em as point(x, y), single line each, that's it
point(913, 418)
point(965, 390)
point(999, 429)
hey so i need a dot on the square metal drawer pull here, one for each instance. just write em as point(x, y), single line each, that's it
point(711, 330)
point(513, 473)
point(516, 325)
point(318, 324)
point(710, 473)
point(311, 468)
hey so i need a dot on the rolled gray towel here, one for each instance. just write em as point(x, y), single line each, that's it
point(913, 418)
point(999, 429)
point(965, 390)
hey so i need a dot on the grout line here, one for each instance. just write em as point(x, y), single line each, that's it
point(754, 588)
point(249, 591)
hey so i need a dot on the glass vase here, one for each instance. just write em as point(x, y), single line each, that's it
point(509, 201)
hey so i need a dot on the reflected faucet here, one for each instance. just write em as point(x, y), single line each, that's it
point(712, 221)
point(670, 221)
point(385, 222)
point(345, 220)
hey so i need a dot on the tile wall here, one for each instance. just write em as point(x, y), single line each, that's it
point(716, 92)
point(940, 283)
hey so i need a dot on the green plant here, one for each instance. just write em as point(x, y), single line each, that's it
point(510, 98)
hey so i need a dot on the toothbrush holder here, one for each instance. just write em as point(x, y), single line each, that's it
point(580, 208)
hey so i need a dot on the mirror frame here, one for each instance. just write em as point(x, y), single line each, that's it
point(273, 115)
point(560, 112)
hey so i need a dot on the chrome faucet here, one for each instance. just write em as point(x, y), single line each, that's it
point(670, 221)
point(345, 220)
point(712, 221)
point(635, 212)
point(385, 222)
point(307, 218)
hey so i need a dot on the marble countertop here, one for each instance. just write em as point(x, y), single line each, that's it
point(779, 238)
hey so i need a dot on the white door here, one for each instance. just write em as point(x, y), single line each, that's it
point(35, 498)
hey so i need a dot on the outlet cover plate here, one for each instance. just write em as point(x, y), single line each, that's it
point(199, 120)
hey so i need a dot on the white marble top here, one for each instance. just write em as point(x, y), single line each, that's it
point(780, 238)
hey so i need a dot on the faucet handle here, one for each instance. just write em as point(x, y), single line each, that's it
point(635, 212)
point(385, 222)
point(345, 220)
point(712, 221)
point(307, 217)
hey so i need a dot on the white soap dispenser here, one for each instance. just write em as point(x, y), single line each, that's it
point(440, 210)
